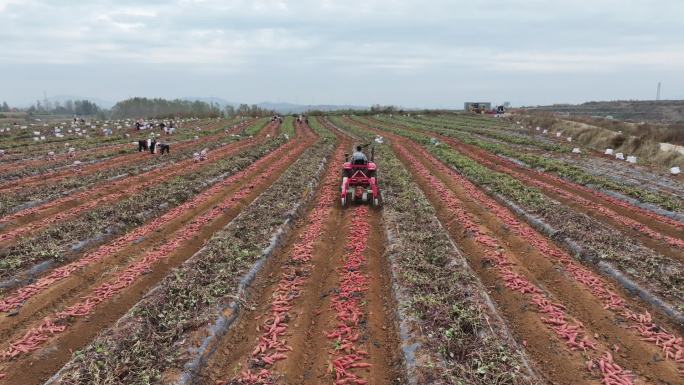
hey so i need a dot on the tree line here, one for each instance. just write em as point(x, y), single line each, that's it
point(247, 110)
point(140, 107)
point(162, 108)
point(69, 107)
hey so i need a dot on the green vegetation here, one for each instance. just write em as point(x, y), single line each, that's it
point(70, 107)
point(462, 347)
point(288, 126)
point(157, 332)
point(162, 108)
point(562, 169)
point(257, 127)
point(121, 216)
point(643, 264)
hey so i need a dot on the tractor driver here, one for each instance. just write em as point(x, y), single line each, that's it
point(358, 157)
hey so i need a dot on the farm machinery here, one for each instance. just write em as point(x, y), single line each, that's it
point(359, 179)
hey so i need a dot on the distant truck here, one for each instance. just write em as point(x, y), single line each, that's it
point(478, 107)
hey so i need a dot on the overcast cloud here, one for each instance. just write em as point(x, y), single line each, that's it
point(409, 53)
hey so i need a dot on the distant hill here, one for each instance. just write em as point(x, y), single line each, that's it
point(669, 111)
point(209, 99)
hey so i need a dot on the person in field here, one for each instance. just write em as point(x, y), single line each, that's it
point(358, 157)
point(163, 147)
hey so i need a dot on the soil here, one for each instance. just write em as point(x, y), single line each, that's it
point(559, 364)
point(312, 316)
point(59, 349)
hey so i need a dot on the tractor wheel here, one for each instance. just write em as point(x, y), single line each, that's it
point(377, 200)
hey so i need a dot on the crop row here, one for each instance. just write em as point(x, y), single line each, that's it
point(56, 243)
point(564, 170)
point(288, 126)
point(90, 167)
point(462, 339)
point(642, 322)
point(296, 271)
point(39, 192)
point(569, 192)
point(660, 274)
point(108, 194)
point(348, 305)
point(187, 300)
point(123, 279)
point(18, 169)
point(644, 325)
point(568, 329)
point(547, 180)
point(16, 143)
point(488, 128)
point(97, 151)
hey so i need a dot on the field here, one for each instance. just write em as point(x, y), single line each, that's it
point(498, 256)
point(661, 110)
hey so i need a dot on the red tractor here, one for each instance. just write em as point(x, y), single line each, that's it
point(359, 180)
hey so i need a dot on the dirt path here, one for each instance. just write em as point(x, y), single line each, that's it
point(38, 217)
point(298, 304)
point(69, 313)
point(513, 268)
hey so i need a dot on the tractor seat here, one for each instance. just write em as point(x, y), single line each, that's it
point(359, 162)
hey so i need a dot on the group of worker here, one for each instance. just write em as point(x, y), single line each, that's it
point(153, 146)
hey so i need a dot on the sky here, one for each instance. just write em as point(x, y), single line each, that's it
point(434, 54)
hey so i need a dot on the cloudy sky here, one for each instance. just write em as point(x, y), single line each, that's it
point(435, 53)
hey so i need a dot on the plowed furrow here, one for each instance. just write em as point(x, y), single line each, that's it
point(122, 243)
point(57, 321)
point(613, 210)
point(91, 168)
point(661, 237)
point(566, 299)
point(99, 153)
point(331, 275)
point(94, 152)
point(38, 217)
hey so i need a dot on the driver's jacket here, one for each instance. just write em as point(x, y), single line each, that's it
point(358, 155)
